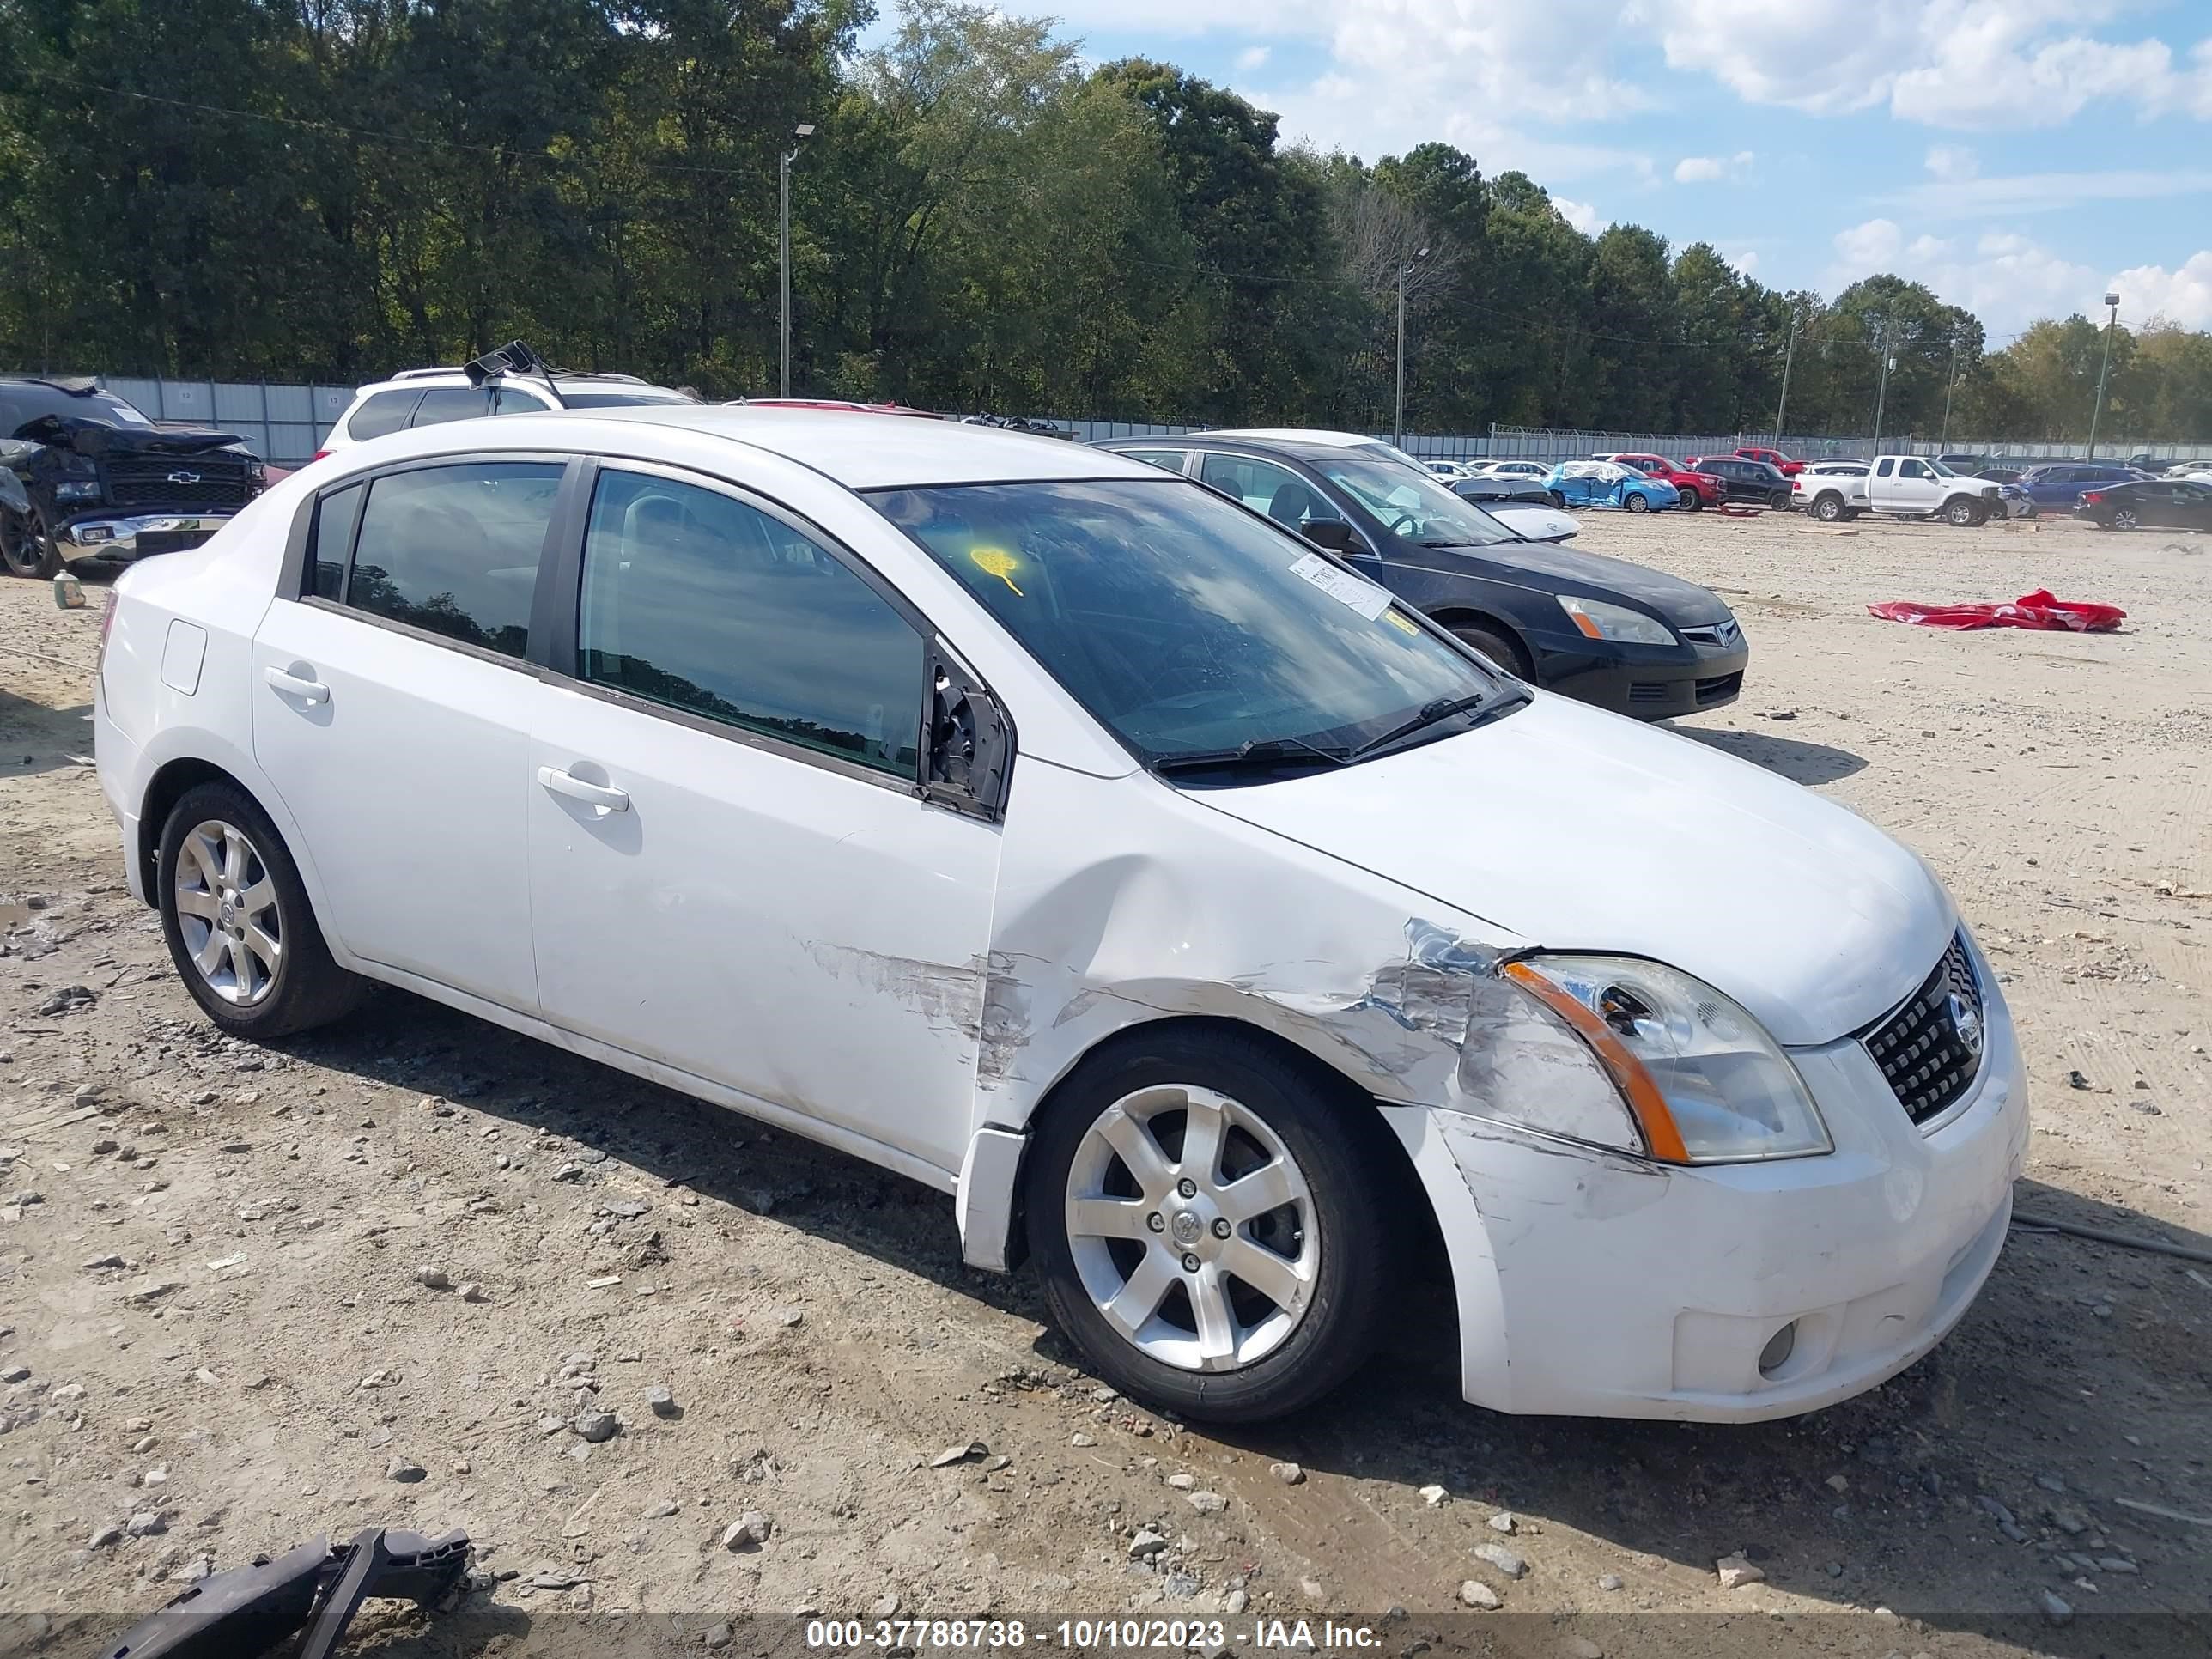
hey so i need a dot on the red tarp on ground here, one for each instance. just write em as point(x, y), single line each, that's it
point(2036, 610)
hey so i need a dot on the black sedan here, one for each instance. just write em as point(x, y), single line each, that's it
point(1601, 630)
point(2152, 504)
point(1761, 484)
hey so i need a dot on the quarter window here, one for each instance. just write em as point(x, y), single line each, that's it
point(454, 550)
point(695, 600)
point(1170, 459)
point(335, 515)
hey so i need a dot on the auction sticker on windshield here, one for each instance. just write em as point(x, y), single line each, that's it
point(1364, 597)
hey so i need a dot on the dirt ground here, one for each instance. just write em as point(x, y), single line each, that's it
point(258, 1360)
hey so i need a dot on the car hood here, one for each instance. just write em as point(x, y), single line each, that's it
point(98, 438)
point(1534, 519)
point(1684, 603)
point(1582, 830)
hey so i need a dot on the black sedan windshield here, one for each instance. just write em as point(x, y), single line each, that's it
point(1186, 625)
point(1409, 501)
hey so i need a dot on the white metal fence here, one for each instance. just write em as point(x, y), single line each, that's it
point(287, 424)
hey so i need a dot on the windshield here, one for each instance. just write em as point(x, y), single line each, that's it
point(1408, 501)
point(118, 411)
point(1184, 623)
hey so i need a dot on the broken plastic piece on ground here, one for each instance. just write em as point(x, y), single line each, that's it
point(2038, 610)
point(250, 1610)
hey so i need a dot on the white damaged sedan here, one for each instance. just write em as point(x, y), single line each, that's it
point(1062, 834)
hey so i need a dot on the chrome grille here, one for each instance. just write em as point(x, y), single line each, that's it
point(1930, 1049)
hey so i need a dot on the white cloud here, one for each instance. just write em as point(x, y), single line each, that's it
point(1742, 264)
point(1953, 162)
point(1704, 169)
point(2042, 192)
point(1252, 57)
point(1967, 64)
point(2008, 279)
point(2183, 296)
point(1581, 215)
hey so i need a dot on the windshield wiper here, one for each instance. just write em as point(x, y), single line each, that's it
point(1483, 705)
point(1256, 751)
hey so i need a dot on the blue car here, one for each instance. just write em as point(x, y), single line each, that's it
point(2061, 483)
point(1609, 484)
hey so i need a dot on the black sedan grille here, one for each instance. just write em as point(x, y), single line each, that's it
point(1719, 689)
point(178, 481)
point(1930, 1049)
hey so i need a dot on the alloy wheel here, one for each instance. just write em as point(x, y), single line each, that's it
point(24, 548)
point(1192, 1228)
point(1637, 503)
point(227, 912)
point(2125, 518)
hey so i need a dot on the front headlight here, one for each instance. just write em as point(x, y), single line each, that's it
point(1599, 621)
point(76, 492)
point(1681, 1072)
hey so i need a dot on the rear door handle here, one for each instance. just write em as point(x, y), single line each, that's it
point(293, 686)
point(576, 788)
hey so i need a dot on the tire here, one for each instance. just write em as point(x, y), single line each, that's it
point(27, 547)
point(1850, 514)
point(1500, 649)
point(1779, 500)
point(1331, 1250)
point(1638, 502)
point(1963, 513)
point(1557, 499)
point(303, 988)
point(2123, 518)
point(1691, 501)
point(1828, 508)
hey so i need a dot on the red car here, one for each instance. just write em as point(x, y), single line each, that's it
point(1697, 489)
point(1775, 458)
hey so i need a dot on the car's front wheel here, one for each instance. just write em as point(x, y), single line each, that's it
point(27, 547)
point(1213, 1224)
point(1963, 513)
point(1638, 502)
point(1691, 501)
point(238, 921)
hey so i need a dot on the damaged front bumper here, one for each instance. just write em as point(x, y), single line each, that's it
point(1594, 1284)
point(108, 537)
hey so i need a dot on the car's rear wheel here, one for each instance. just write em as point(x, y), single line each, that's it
point(2123, 517)
point(1557, 499)
point(27, 547)
point(1779, 500)
point(1829, 508)
point(1637, 501)
point(238, 922)
point(1213, 1224)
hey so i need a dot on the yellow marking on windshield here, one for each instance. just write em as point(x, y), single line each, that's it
point(997, 561)
point(1404, 623)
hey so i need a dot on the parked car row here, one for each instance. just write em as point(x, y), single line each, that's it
point(1208, 915)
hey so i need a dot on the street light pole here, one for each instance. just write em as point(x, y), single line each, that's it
point(803, 130)
point(2111, 322)
point(1397, 420)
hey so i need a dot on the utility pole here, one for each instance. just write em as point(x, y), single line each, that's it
point(1950, 386)
point(2111, 322)
point(1398, 419)
point(1788, 357)
point(803, 130)
point(1881, 390)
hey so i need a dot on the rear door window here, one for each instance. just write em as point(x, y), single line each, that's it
point(453, 402)
point(454, 550)
point(382, 412)
point(1265, 487)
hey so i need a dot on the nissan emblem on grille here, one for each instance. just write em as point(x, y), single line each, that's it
point(1930, 1049)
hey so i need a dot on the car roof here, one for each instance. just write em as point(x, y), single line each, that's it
point(859, 449)
point(1320, 437)
point(417, 378)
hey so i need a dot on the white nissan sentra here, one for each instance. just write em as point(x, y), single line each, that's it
point(1063, 834)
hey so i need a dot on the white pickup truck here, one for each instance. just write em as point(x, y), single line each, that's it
point(1902, 487)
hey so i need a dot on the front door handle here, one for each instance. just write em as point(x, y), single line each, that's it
point(293, 686)
point(576, 788)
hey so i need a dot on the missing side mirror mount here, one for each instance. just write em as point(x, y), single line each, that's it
point(1334, 534)
point(970, 744)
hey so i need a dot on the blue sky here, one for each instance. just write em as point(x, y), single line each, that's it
point(2017, 155)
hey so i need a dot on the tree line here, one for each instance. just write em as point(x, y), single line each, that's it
point(330, 190)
